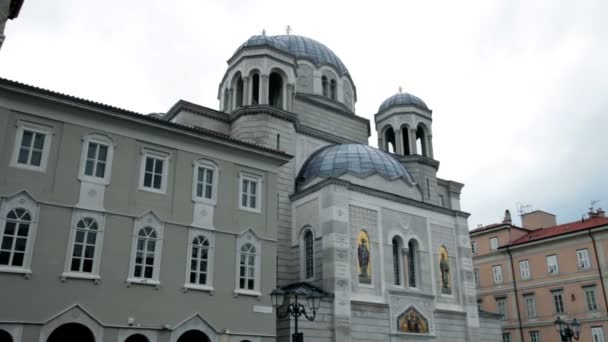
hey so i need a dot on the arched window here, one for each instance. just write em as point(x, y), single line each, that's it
point(421, 141)
point(5, 336)
point(309, 271)
point(324, 86)
point(275, 90)
point(71, 332)
point(332, 89)
point(389, 140)
point(193, 336)
point(199, 261)
point(15, 238)
point(397, 260)
point(255, 89)
point(247, 267)
point(145, 254)
point(239, 92)
point(405, 133)
point(137, 338)
point(83, 249)
point(411, 262)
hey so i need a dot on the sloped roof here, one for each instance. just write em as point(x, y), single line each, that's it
point(561, 229)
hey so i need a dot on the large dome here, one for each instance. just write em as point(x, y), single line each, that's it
point(402, 99)
point(301, 48)
point(359, 160)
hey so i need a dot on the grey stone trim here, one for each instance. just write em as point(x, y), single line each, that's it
point(410, 105)
point(378, 305)
point(451, 312)
point(149, 120)
point(263, 109)
point(322, 135)
point(196, 109)
point(452, 186)
point(376, 193)
point(418, 159)
point(411, 293)
point(345, 111)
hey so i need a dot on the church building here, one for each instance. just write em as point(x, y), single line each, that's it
point(124, 227)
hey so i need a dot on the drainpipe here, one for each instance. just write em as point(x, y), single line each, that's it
point(599, 268)
point(521, 332)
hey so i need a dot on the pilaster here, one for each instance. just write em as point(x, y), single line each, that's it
point(264, 90)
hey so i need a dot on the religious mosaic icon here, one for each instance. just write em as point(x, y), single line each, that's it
point(444, 268)
point(412, 321)
point(364, 258)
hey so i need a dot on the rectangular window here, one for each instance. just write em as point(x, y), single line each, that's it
point(598, 334)
point(95, 165)
point(502, 307)
point(497, 274)
point(32, 146)
point(558, 300)
point(530, 303)
point(524, 269)
point(552, 266)
point(591, 298)
point(506, 337)
point(474, 247)
point(153, 176)
point(583, 259)
point(534, 336)
point(96, 159)
point(494, 243)
point(476, 273)
point(250, 192)
point(205, 182)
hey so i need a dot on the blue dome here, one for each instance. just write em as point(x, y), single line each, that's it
point(359, 160)
point(402, 99)
point(301, 48)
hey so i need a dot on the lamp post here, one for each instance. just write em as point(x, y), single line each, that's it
point(567, 330)
point(295, 308)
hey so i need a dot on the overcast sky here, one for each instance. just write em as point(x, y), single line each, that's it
point(518, 89)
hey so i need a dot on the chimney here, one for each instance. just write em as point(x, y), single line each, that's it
point(537, 219)
point(592, 214)
point(507, 218)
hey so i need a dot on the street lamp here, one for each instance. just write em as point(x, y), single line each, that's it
point(567, 330)
point(281, 297)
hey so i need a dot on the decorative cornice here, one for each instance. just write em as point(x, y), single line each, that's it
point(376, 193)
point(418, 159)
point(263, 109)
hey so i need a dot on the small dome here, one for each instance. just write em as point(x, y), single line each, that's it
point(356, 159)
point(402, 99)
point(301, 48)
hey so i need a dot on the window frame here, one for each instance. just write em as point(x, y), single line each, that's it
point(207, 165)
point(474, 247)
point(47, 131)
point(508, 337)
point(530, 305)
point(591, 289)
point(599, 337)
point(210, 236)
point(477, 280)
point(534, 336)
point(147, 220)
point(527, 274)
point(304, 257)
point(160, 155)
point(494, 273)
point(558, 293)
point(78, 215)
point(100, 140)
point(24, 201)
point(501, 302)
point(585, 262)
point(492, 240)
point(259, 182)
point(556, 265)
point(248, 237)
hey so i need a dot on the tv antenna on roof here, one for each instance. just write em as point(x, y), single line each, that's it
point(523, 209)
point(593, 203)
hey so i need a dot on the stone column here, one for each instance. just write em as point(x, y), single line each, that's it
point(413, 148)
point(429, 146)
point(232, 100)
point(246, 91)
point(398, 142)
point(264, 89)
point(289, 97)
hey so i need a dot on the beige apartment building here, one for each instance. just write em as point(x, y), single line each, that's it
point(532, 274)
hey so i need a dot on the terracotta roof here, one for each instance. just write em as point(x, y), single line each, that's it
point(561, 229)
